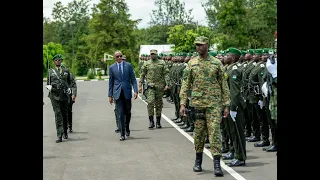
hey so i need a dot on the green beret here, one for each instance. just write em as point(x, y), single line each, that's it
point(250, 51)
point(265, 51)
point(258, 51)
point(212, 53)
point(234, 51)
point(201, 40)
point(58, 56)
point(184, 54)
point(243, 53)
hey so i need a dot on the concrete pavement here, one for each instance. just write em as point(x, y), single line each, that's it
point(93, 150)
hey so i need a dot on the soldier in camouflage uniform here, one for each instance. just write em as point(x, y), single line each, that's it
point(61, 86)
point(182, 66)
point(154, 71)
point(204, 76)
point(189, 116)
point(174, 87)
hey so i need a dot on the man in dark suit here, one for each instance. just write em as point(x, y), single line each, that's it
point(121, 80)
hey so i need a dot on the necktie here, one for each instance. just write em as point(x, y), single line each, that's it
point(120, 69)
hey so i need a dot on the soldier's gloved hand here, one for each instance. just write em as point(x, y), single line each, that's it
point(272, 68)
point(264, 90)
point(69, 91)
point(260, 103)
point(233, 115)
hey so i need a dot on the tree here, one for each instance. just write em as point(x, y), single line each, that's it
point(111, 28)
point(182, 36)
point(49, 51)
point(242, 23)
point(77, 11)
point(169, 13)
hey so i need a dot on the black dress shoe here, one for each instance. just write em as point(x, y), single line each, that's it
point(70, 130)
point(122, 138)
point(265, 148)
point(178, 121)
point(236, 162)
point(272, 149)
point(59, 140)
point(254, 139)
point(224, 150)
point(65, 136)
point(186, 126)
point(262, 144)
point(228, 156)
point(117, 130)
point(173, 119)
point(128, 133)
point(190, 129)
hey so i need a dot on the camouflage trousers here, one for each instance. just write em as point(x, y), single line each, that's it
point(211, 127)
point(273, 104)
point(154, 100)
point(60, 109)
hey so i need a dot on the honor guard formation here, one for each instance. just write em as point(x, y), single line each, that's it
point(222, 98)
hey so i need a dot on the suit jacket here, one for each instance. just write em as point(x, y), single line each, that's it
point(124, 82)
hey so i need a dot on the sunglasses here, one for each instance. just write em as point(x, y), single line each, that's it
point(118, 56)
point(57, 60)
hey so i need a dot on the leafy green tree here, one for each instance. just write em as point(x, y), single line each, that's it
point(49, 51)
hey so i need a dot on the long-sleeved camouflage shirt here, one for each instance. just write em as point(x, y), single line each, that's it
point(154, 71)
point(205, 78)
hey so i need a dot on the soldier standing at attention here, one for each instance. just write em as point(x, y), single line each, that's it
point(237, 106)
point(60, 81)
point(154, 71)
point(204, 76)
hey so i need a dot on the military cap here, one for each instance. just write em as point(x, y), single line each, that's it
point(201, 40)
point(265, 51)
point(258, 51)
point(58, 56)
point(153, 51)
point(184, 54)
point(243, 52)
point(234, 51)
point(212, 53)
point(250, 51)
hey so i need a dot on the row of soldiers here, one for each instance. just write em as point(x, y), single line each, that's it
point(247, 69)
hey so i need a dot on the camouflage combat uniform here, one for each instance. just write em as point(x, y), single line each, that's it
point(154, 71)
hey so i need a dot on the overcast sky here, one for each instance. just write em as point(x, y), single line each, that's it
point(140, 9)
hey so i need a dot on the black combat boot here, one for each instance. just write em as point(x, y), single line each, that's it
point(151, 124)
point(197, 165)
point(59, 139)
point(186, 125)
point(158, 125)
point(191, 128)
point(216, 166)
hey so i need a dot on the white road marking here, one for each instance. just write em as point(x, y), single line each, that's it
point(231, 171)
